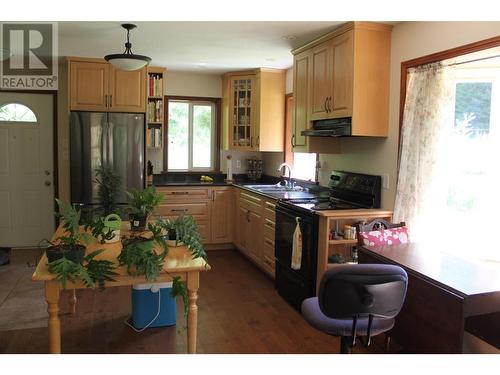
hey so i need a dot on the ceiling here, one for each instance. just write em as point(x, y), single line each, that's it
point(203, 47)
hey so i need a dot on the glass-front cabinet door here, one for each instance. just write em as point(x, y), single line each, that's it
point(242, 108)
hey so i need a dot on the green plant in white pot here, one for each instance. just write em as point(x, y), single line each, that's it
point(183, 231)
point(141, 206)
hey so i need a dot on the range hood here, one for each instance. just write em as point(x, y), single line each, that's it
point(338, 127)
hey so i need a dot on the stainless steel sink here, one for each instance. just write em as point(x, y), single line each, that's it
point(274, 188)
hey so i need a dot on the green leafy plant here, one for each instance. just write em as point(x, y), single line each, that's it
point(91, 271)
point(108, 186)
point(99, 229)
point(70, 218)
point(99, 271)
point(184, 229)
point(143, 203)
point(179, 289)
point(139, 255)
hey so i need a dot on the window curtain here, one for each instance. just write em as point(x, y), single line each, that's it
point(428, 114)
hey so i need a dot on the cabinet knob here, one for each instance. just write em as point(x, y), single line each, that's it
point(47, 183)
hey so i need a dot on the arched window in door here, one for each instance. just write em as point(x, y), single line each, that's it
point(15, 112)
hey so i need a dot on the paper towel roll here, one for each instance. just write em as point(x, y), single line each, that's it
point(229, 165)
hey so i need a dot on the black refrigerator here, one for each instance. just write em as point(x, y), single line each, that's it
point(110, 139)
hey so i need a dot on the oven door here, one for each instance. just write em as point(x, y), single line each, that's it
point(285, 227)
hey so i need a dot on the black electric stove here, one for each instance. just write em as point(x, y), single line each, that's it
point(346, 191)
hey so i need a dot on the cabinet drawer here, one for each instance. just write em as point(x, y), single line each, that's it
point(199, 210)
point(270, 210)
point(251, 205)
point(190, 193)
point(269, 229)
point(268, 248)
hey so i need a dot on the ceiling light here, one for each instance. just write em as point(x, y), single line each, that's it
point(4, 54)
point(127, 60)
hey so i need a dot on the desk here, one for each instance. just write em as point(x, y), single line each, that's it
point(443, 291)
point(179, 262)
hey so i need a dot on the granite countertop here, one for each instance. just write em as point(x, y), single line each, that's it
point(241, 181)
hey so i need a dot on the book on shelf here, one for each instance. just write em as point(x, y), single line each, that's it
point(155, 111)
point(155, 85)
point(154, 138)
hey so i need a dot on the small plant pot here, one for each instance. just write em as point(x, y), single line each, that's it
point(74, 253)
point(138, 224)
point(116, 238)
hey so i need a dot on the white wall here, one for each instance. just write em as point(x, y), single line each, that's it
point(193, 84)
point(409, 40)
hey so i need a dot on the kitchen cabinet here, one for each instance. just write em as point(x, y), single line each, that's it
point(210, 207)
point(253, 110)
point(345, 74)
point(95, 85)
point(254, 231)
point(222, 214)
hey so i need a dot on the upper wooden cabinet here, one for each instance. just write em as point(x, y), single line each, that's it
point(253, 110)
point(344, 74)
point(95, 85)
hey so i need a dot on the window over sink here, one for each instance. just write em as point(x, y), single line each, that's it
point(191, 135)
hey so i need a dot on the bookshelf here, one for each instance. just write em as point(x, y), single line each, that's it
point(155, 108)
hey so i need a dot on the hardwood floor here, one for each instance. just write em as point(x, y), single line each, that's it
point(239, 312)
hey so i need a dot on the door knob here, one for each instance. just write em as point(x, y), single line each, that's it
point(48, 183)
point(47, 173)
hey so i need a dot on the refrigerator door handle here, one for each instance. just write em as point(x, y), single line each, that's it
point(109, 138)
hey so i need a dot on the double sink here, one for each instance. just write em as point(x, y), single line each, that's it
point(280, 192)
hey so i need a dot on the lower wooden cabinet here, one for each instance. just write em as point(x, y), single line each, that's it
point(222, 214)
point(211, 208)
point(227, 215)
point(254, 229)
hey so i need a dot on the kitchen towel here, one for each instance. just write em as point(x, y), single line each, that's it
point(297, 246)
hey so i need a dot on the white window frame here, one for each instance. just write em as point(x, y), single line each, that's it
point(192, 104)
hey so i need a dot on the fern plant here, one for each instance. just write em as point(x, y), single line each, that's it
point(70, 218)
point(139, 255)
point(91, 271)
point(185, 230)
point(108, 186)
point(143, 203)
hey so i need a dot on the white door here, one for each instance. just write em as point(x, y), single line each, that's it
point(26, 169)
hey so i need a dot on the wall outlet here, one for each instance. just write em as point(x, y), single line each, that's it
point(238, 164)
point(385, 181)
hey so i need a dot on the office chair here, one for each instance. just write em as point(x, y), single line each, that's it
point(357, 299)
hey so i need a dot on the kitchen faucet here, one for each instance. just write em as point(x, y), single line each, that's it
point(289, 183)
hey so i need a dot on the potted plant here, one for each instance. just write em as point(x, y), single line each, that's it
point(183, 231)
point(108, 185)
point(140, 256)
point(142, 205)
point(71, 244)
point(90, 271)
point(105, 229)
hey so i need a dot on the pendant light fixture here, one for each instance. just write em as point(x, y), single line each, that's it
point(127, 60)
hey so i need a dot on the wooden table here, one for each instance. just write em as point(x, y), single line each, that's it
point(179, 262)
point(443, 292)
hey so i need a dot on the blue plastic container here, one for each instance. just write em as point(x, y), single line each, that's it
point(146, 299)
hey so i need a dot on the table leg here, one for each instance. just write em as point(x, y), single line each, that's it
point(193, 283)
point(72, 302)
point(52, 297)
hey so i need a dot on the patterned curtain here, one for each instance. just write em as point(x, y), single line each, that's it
point(428, 116)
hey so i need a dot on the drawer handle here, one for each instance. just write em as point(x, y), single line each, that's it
point(180, 193)
point(268, 262)
point(270, 224)
point(179, 210)
point(269, 242)
point(270, 206)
